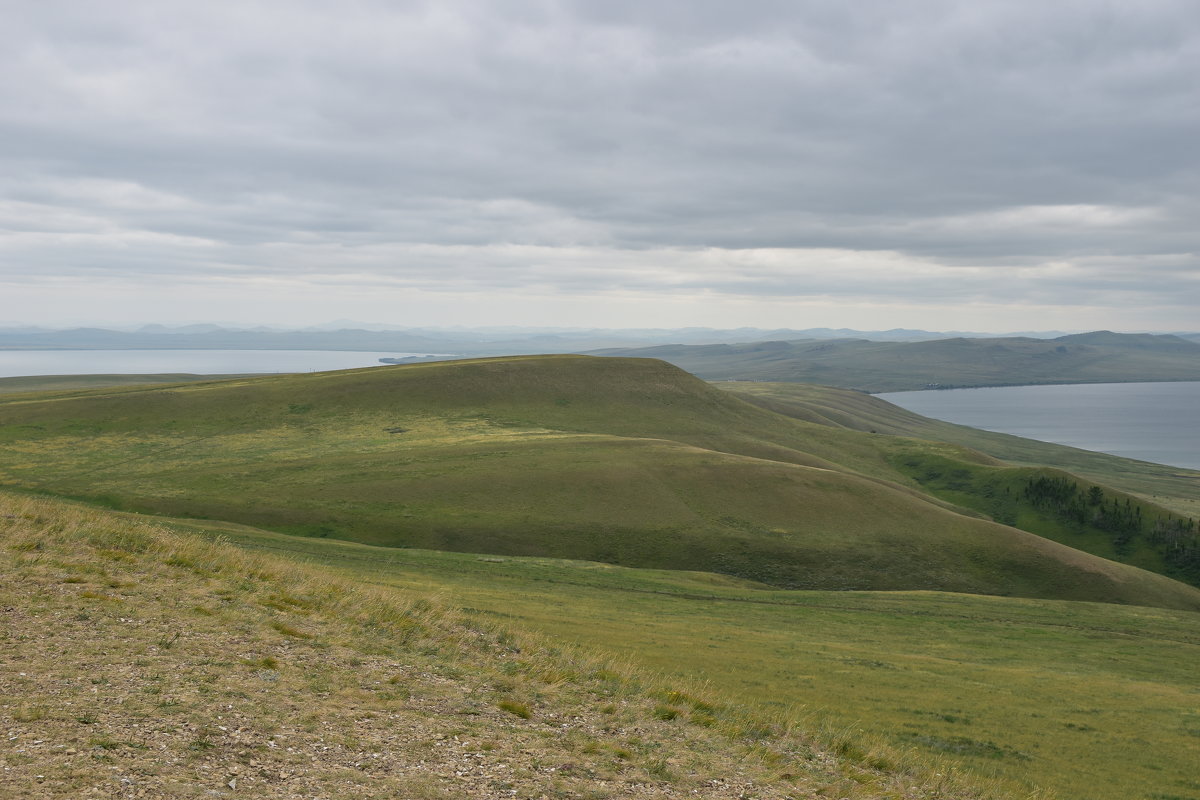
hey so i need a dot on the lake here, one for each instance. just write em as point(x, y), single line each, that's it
point(1157, 422)
point(201, 362)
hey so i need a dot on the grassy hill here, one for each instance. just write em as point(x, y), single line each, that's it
point(63, 383)
point(141, 658)
point(1173, 487)
point(1097, 357)
point(346, 676)
point(624, 461)
point(1013, 490)
point(144, 663)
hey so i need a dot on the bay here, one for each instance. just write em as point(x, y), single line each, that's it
point(15, 363)
point(1158, 422)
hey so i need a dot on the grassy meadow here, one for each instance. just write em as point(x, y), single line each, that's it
point(1086, 699)
point(141, 662)
point(67, 383)
point(1174, 488)
point(624, 461)
point(946, 460)
point(745, 576)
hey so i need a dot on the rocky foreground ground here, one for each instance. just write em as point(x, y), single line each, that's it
point(137, 663)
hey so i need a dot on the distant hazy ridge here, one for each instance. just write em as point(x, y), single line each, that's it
point(1099, 357)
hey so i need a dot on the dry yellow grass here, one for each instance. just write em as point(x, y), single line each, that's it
point(143, 663)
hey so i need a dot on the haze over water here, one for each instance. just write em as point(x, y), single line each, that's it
point(1157, 422)
point(199, 362)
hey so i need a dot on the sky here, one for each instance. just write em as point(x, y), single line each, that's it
point(989, 166)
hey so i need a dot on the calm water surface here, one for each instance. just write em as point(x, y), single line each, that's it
point(1157, 422)
point(200, 362)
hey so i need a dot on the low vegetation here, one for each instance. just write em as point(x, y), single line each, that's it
point(497, 647)
point(1172, 487)
point(1058, 506)
point(1163, 502)
point(631, 462)
point(145, 663)
point(68, 383)
point(1085, 699)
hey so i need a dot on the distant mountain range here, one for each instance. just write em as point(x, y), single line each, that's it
point(452, 341)
point(874, 361)
point(874, 366)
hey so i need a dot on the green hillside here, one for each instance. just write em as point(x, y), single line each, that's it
point(1175, 488)
point(873, 689)
point(624, 461)
point(143, 663)
point(1090, 700)
point(61, 383)
point(870, 366)
point(1130, 511)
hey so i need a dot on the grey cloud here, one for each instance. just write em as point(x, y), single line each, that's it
point(935, 130)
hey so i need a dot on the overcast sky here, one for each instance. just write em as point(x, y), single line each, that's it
point(942, 165)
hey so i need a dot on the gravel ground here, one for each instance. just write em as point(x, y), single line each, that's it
point(150, 675)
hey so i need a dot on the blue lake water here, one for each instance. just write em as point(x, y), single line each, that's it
point(1157, 422)
point(200, 362)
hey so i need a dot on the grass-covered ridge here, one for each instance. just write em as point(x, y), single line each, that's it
point(1097, 357)
point(628, 461)
point(67, 383)
point(1090, 700)
point(1164, 501)
point(1059, 506)
point(141, 662)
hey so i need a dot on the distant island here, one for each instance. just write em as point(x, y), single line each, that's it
point(411, 359)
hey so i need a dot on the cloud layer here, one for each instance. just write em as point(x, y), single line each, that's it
point(1016, 155)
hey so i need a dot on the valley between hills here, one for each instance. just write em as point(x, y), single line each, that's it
point(730, 590)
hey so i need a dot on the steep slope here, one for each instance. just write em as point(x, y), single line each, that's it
point(1149, 521)
point(1175, 488)
point(871, 366)
point(627, 461)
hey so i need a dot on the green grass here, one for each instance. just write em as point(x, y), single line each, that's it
point(1087, 517)
point(515, 708)
point(720, 501)
point(1172, 487)
point(391, 694)
point(75, 383)
point(624, 461)
point(1091, 700)
point(937, 462)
